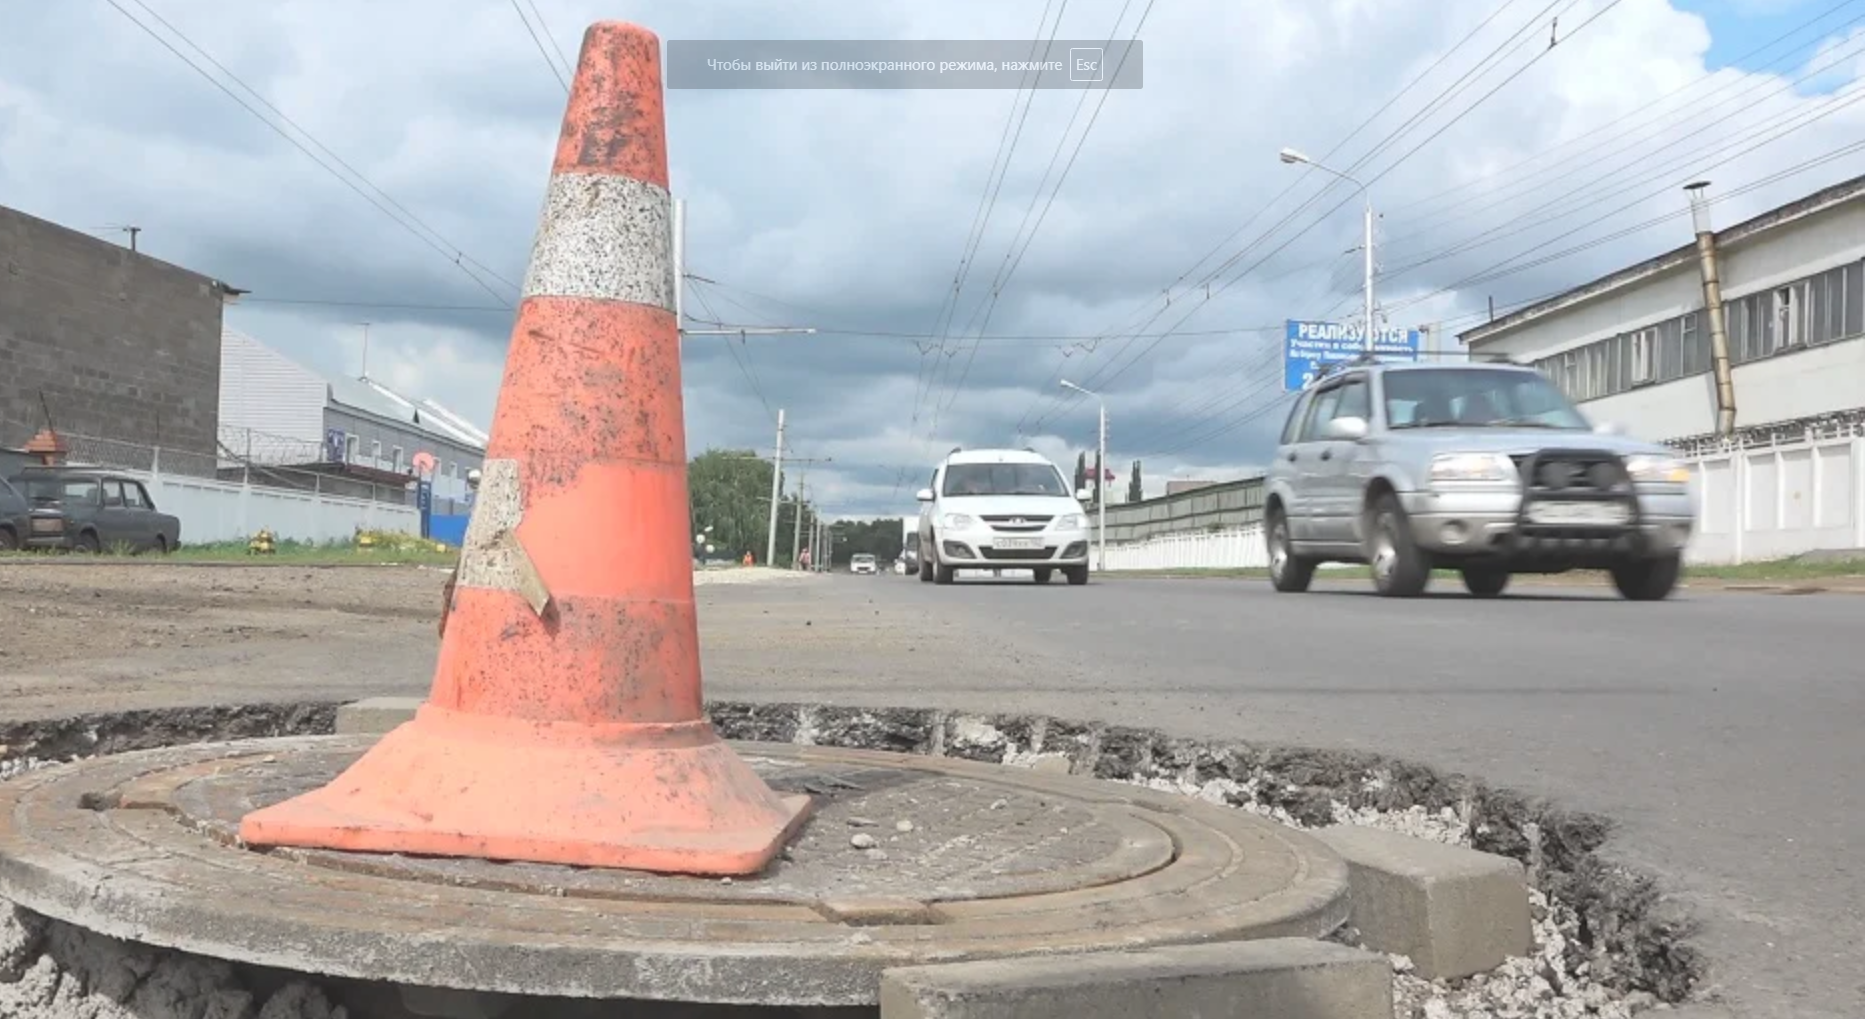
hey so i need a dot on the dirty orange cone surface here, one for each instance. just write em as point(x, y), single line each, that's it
point(565, 722)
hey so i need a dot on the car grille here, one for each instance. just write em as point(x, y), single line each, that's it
point(1573, 472)
point(1012, 524)
point(1012, 554)
point(48, 525)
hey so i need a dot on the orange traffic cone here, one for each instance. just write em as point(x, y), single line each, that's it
point(565, 724)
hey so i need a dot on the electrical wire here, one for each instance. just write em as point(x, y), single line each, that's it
point(430, 238)
point(541, 50)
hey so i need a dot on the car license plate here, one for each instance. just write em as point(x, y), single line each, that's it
point(1017, 543)
point(1578, 514)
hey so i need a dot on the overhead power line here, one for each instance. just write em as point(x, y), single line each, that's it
point(1062, 403)
point(389, 207)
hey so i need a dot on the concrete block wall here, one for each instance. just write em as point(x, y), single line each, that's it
point(123, 346)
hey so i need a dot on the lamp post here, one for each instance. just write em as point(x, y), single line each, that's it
point(1292, 156)
point(1100, 478)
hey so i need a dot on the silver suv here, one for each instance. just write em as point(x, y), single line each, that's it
point(1482, 468)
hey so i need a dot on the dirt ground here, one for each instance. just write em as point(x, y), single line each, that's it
point(107, 637)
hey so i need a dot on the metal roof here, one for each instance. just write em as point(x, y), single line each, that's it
point(372, 397)
point(1825, 198)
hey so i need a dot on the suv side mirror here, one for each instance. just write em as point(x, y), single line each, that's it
point(924, 495)
point(1083, 495)
point(1347, 429)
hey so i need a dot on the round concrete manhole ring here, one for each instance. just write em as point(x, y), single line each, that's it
point(968, 861)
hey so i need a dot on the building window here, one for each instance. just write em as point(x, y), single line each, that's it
point(350, 442)
point(1644, 356)
point(375, 453)
point(395, 458)
point(1854, 318)
point(1790, 313)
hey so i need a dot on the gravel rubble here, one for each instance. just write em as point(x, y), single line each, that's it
point(1602, 946)
point(750, 575)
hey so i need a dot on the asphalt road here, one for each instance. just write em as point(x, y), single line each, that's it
point(1723, 730)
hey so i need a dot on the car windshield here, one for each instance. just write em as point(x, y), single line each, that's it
point(1003, 479)
point(1476, 398)
point(864, 558)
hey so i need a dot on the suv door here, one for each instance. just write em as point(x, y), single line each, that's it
point(1304, 464)
point(1339, 465)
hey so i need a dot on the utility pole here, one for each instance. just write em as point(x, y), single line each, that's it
point(1372, 328)
point(1100, 475)
point(777, 480)
point(796, 528)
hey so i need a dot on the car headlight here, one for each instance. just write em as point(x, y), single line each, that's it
point(957, 521)
point(1473, 467)
point(1648, 469)
point(1068, 522)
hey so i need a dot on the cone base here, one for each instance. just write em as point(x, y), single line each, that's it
point(671, 799)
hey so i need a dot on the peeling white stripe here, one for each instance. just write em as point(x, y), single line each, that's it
point(490, 555)
point(604, 237)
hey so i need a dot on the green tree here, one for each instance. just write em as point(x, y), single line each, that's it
point(880, 538)
point(729, 491)
point(1135, 491)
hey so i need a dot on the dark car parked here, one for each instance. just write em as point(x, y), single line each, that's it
point(90, 510)
point(15, 518)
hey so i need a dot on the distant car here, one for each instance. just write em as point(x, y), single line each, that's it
point(996, 509)
point(862, 562)
point(90, 510)
point(1482, 468)
point(15, 518)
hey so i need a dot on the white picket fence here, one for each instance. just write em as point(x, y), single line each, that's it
point(214, 511)
point(1753, 505)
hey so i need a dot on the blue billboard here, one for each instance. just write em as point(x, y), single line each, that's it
point(1309, 346)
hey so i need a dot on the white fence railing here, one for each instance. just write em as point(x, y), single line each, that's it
point(1753, 504)
point(1229, 549)
point(215, 511)
point(1775, 501)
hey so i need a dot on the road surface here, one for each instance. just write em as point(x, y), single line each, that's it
point(1722, 729)
point(1725, 730)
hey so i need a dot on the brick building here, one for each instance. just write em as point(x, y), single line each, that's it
point(120, 345)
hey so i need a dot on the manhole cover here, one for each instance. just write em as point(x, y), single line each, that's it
point(968, 861)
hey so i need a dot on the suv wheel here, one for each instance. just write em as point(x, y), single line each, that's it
point(1077, 575)
point(1485, 581)
point(89, 544)
point(1043, 575)
point(9, 542)
point(1287, 571)
point(1647, 579)
point(1399, 569)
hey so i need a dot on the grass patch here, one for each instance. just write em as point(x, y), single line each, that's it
point(365, 548)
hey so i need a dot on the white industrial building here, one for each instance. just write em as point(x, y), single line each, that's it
point(1783, 470)
point(275, 411)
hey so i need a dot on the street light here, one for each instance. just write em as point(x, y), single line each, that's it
point(1100, 476)
point(1293, 156)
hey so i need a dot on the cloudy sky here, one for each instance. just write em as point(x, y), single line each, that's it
point(1146, 243)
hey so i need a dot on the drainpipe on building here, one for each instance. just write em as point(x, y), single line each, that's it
point(1713, 308)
